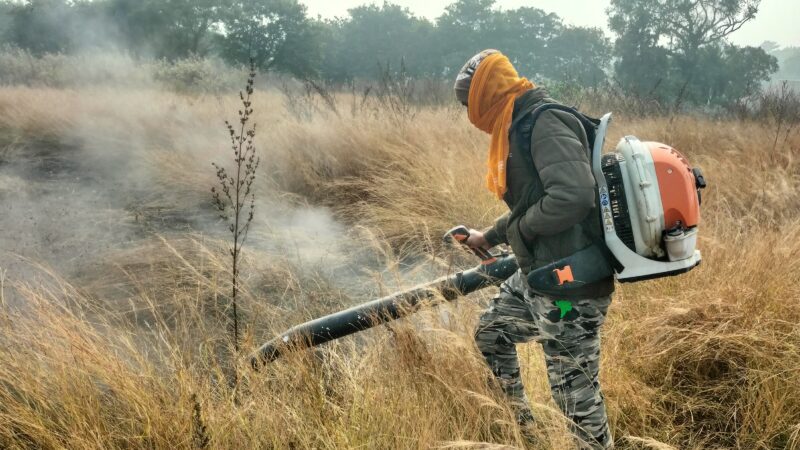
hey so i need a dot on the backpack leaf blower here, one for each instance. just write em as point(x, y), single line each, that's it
point(649, 202)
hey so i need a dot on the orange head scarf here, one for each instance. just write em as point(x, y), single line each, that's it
point(494, 87)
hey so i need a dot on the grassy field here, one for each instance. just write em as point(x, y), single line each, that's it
point(113, 327)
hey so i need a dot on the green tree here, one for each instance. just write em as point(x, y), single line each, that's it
point(192, 24)
point(580, 55)
point(166, 28)
point(537, 42)
point(5, 20)
point(276, 34)
point(692, 25)
point(670, 49)
point(526, 35)
point(747, 68)
point(641, 63)
point(462, 30)
point(40, 26)
point(376, 36)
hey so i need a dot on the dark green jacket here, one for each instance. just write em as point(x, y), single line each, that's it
point(551, 193)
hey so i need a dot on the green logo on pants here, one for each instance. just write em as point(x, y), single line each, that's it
point(565, 306)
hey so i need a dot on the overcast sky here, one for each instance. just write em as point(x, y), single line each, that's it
point(777, 20)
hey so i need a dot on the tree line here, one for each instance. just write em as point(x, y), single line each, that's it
point(668, 51)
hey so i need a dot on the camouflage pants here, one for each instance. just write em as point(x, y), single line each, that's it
point(569, 334)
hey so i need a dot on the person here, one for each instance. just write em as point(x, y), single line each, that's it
point(542, 172)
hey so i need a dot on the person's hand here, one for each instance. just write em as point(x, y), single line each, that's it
point(477, 240)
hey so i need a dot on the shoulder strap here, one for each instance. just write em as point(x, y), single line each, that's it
point(589, 124)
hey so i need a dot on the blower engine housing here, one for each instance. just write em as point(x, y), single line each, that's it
point(649, 205)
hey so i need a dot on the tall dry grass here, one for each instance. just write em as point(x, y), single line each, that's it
point(706, 360)
point(709, 359)
point(115, 69)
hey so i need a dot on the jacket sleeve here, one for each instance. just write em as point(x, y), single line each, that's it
point(496, 235)
point(558, 148)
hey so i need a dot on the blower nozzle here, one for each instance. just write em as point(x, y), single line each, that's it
point(386, 309)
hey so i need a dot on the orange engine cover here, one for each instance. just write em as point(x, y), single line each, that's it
point(677, 186)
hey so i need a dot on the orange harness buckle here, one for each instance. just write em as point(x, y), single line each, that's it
point(564, 275)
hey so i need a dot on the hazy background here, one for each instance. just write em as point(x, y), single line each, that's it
point(680, 53)
point(776, 20)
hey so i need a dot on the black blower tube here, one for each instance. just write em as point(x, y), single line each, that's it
point(382, 310)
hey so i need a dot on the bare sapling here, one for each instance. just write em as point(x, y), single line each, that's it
point(783, 108)
point(234, 196)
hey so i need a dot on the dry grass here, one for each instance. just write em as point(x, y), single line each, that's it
point(115, 69)
point(134, 353)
